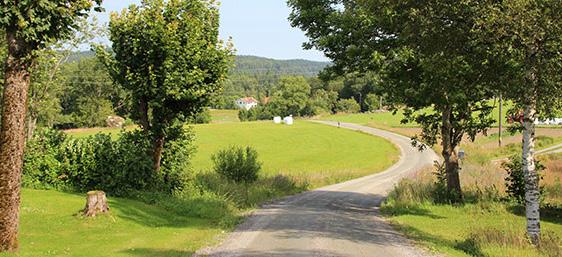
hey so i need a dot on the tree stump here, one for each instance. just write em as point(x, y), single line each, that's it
point(96, 203)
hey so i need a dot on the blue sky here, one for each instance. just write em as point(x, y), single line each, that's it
point(257, 27)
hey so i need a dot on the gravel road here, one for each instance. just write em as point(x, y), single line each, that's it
point(337, 220)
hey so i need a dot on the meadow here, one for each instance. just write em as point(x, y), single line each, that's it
point(295, 158)
point(318, 153)
point(315, 153)
point(51, 226)
point(488, 224)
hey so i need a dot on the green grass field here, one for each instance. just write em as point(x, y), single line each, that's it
point(317, 152)
point(447, 230)
point(389, 120)
point(224, 116)
point(308, 151)
point(379, 119)
point(49, 227)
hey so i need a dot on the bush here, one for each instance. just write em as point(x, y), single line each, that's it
point(515, 180)
point(41, 164)
point(237, 164)
point(203, 117)
point(262, 112)
point(100, 163)
point(372, 102)
point(348, 106)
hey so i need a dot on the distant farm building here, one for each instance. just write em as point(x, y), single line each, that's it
point(246, 103)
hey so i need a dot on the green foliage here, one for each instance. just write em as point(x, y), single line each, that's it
point(45, 90)
point(253, 65)
point(321, 101)
point(237, 164)
point(291, 96)
point(42, 168)
point(90, 96)
point(347, 106)
point(260, 112)
point(168, 57)
point(39, 25)
point(529, 64)
point(202, 117)
point(515, 180)
point(372, 102)
point(92, 112)
point(100, 163)
point(402, 42)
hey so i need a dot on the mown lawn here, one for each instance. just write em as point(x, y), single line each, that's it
point(448, 230)
point(224, 116)
point(50, 227)
point(319, 153)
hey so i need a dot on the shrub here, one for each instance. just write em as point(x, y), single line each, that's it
point(348, 106)
point(372, 102)
point(41, 164)
point(262, 112)
point(203, 117)
point(237, 164)
point(100, 163)
point(515, 180)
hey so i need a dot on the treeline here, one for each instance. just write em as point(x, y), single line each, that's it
point(302, 96)
point(299, 96)
point(252, 65)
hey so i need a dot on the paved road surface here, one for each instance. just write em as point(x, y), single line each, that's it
point(337, 220)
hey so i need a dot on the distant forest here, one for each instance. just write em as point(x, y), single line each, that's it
point(254, 65)
point(87, 95)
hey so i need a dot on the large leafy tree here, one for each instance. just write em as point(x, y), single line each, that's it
point(90, 95)
point(47, 82)
point(167, 54)
point(525, 36)
point(424, 53)
point(291, 96)
point(29, 26)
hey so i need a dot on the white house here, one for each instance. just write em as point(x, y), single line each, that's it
point(246, 103)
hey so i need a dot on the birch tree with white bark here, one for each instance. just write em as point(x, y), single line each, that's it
point(524, 37)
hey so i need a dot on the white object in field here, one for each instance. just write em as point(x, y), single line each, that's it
point(277, 120)
point(288, 120)
point(556, 121)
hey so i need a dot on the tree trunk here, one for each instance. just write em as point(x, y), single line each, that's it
point(12, 140)
point(157, 153)
point(31, 125)
point(450, 156)
point(96, 203)
point(143, 113)
point(532, 192)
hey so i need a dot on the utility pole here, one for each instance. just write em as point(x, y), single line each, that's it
point(501, 121)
